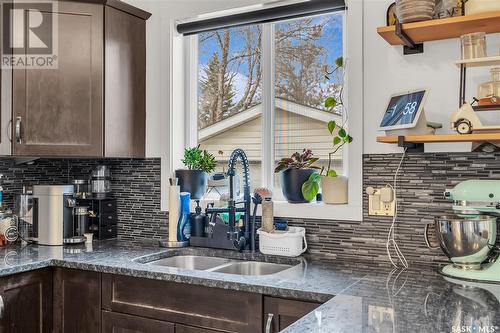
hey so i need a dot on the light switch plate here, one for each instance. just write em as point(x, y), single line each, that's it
point(377, 207)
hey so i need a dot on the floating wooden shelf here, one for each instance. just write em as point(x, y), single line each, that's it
point(479, 62)
point(442, 138)
point(487, 108)
point(452, 27)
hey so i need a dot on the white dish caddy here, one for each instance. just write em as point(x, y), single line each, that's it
point(290, 243)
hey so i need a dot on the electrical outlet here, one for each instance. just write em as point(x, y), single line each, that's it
point(376, 204)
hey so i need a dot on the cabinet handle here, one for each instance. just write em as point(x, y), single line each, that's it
point(269, 322)
point(9, 130)
point(18, 130)
point(2, 307)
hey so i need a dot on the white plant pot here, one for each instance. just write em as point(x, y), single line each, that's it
point(334, 189)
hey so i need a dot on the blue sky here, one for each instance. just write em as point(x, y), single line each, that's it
point(331, 39)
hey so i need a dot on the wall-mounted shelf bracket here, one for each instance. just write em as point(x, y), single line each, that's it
point(410, 47)
point(411, 147)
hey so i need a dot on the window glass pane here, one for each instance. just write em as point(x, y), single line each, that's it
point(305, 50)
point(229, 95)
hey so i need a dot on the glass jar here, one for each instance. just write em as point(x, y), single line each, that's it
point(489, 92)
point(23, 207)
point(473, 45)
point(8, 228)
point(101, 181)
point(81, 188)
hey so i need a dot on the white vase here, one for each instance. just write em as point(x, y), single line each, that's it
point(334, 189)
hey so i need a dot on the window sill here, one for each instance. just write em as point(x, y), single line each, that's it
point(319, 211)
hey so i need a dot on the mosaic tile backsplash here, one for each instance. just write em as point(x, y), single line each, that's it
point(422, 181)
point(134, 182)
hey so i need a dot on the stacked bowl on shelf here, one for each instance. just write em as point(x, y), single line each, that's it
point(415, 10)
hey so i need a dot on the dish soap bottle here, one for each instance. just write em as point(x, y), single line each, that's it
point(184, 226)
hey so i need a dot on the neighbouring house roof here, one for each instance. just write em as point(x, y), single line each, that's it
point(256, 111)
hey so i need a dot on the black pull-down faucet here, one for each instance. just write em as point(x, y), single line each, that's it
point(241, 241)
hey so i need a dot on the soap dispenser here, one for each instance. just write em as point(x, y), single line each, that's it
point(198, 221)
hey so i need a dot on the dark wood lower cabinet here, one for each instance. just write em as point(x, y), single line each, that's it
point(192, 305)
point(69, 300)
point(27, 302)
point(77, 301)
point(280, 313)
point(191, 329)
point(121, 323)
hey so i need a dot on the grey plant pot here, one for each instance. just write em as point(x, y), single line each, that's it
point(192, 181)
point(291, 184)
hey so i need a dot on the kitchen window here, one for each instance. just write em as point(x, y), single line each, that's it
point(229, 110)
point(263, 88)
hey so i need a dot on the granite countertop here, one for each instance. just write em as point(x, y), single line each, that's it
point(359, 297)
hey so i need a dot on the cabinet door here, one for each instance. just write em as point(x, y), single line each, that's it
point(121, 323)
point(125, 86)
point(27, 302)
point(77, 301)
point(280, 313)
point(200, 306)
point(59, 112)
point(191, 329)
point(5, 109)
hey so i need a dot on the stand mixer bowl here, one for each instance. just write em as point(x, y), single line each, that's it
point(468, 242)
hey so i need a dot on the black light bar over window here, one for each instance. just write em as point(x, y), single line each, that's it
point(277, 13)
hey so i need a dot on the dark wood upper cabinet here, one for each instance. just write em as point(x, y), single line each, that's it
point(27, 302)
point(93, 104)
point(125, 85)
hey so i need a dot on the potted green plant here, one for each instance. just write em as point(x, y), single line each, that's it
point(295, 171)
point(199, 164)
point(334, 187)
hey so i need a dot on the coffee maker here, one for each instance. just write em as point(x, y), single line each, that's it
point(57, 218)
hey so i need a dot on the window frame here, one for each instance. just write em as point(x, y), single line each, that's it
point(352, 154)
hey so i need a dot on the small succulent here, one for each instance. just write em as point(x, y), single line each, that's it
point(298, 161)
point(197, 159)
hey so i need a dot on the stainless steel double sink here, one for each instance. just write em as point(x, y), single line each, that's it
point(221, 265)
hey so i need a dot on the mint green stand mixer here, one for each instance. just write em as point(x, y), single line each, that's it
point(469, 237)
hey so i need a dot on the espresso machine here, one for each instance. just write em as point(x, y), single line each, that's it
point(56, 217)
point(469, 238)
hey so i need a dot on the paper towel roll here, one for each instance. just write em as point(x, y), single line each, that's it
point(174, 207)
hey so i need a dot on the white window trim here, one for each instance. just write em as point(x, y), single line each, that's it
point(183, 130)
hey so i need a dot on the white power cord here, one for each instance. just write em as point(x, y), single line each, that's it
point(391, 240)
